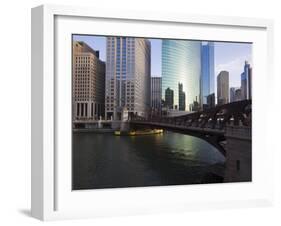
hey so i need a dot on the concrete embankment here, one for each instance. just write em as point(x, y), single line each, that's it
point(94, 130)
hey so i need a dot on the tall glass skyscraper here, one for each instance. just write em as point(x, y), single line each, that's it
point(181, 63)
point(246, 79)
point(207, 71)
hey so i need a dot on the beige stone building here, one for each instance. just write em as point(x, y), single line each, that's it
point(223, 87)
point(88, 83)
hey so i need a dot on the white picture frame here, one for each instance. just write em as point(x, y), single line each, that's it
point(49, 201)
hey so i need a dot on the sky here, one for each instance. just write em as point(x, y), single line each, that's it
point(228, 56)
point(231, 57)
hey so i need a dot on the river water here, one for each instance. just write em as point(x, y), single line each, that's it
point(108, 161)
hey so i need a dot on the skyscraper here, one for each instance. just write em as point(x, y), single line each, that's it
point(244, 85)
point(246, 80)
point(207, 71)
point(88, 83)
point(169, 98)
point(250, 83)
point(127, 76)
point(223, 87)
point(181, 63)
point(238, 95)
point(181, 98)
point(211, 102)
point(233, 94)
point(156, 85)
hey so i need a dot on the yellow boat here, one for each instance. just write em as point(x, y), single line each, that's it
point(117, 132)
point(138, 132)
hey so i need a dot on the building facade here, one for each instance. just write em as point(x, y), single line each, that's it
point(181, 98)
point(238, 95)
point(169, 98)
point(211, 100)
point(207, 71)
point(232, 94)
point(235, 94)
point(181, 63)
point(156, 87)
point(127, 76)
point(246, 82)
point(250, 83)
point(88, 83)
point(223, 87)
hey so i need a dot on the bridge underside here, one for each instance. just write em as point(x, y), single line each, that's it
point(213, 137)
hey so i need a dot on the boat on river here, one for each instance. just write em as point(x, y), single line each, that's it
point(138, 132)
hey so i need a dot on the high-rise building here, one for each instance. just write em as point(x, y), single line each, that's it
point(244, 85)
point(88, 83)
point(127, 76)
point(169, 98)
point(195, 105)
point(181, 63)
point(238, 95)
point(223, 87)
point(207, 71)
point(181, 98)
point(156, 86)
point(250, 83)
point(211, 101)
point(234, 94)
point(246, 82)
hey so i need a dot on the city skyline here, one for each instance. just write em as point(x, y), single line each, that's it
point(188, 72)
point(228, 56)
point(163, 121)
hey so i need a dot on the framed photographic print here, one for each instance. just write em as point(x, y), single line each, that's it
point(137, 112)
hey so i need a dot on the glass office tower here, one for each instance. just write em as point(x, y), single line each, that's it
point(207, 70)
point(246, 78)
point(181, 63)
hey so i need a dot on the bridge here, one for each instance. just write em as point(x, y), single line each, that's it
point(210, 125)
point(226, 127)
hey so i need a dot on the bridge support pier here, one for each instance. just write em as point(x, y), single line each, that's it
point(125, 126)
point(238, 154)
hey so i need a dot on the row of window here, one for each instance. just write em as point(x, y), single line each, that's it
point(112, 109)
point(82, 109)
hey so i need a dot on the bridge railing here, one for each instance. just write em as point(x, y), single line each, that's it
point(244, 132)
point(201, 120)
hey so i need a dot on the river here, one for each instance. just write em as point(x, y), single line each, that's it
point(108, 161)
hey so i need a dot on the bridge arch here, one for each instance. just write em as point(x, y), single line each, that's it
point(209, 124)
